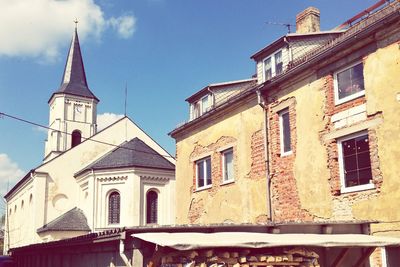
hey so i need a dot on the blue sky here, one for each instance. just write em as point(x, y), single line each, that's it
point(164, 50)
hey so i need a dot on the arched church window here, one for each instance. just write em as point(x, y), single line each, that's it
point(114, 203)
point(151, 207)
point(76, 138)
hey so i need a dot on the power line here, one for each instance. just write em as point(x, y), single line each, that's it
point(89, 139)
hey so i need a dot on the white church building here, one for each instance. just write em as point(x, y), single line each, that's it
point(89, 181)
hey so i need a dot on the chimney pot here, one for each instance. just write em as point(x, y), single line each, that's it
point(308, 21)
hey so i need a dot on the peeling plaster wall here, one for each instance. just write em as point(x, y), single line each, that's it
point(382, 81)
point(317, 185)
point(310, 193)
point(245, 200)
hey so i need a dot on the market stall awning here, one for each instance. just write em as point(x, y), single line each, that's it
point(188, 241)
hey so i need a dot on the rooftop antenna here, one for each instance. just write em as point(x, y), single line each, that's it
point(287, 25)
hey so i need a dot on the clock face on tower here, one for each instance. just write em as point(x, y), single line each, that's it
point(78, 109)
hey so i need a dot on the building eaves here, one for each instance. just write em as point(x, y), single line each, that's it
point(26, 177)
point(73, 220)
point(20, 182)
point(280, 42)
point(215, 110)
point(134, 153)
point(354, 34)
point(122, 233)
point(203, 91)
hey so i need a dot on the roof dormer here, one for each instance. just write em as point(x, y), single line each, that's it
point(214, 95)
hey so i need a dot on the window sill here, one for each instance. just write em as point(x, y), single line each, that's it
point(203, 188)
point(357, 188)
point(349, 98)
point(228, 182)
point(285, 154)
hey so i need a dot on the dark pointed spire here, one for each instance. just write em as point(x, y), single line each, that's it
point(74, 78)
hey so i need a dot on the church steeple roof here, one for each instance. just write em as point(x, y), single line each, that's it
point(74, 78)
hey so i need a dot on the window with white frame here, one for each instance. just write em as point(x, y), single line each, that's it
point(349, 83)
point(203, 173)
point(201, 106)
point(284, 129)
point(273, 65)
point(227, 160)
point(355, 162)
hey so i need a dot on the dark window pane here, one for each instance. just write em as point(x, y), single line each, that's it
point(350, 163)
point(364, 160)
point(208, 166)
point(286, 132)
point(350, 81)
point(349, 147)
point(113, 208)
point(351, 178)
point(357, 78)
point(75, 138)
point(365, 176)
point(200, 174)
point(362, 143)
point(356, 160)
point(152, 209)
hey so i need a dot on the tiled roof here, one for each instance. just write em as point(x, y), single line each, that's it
point(73, 220)
point(74, 78)
point(134, 153)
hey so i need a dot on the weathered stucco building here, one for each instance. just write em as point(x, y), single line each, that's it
point(89, 181)
point(316, 138)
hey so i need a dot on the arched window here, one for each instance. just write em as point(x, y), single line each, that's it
point(114, 202)
point(76, 138)
point(151, 206)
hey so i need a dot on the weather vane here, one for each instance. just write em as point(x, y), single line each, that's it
point(76, 23)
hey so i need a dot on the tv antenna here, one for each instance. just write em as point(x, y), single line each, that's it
point(287, 25)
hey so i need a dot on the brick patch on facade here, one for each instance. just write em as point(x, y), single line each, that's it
point(343, 202)
point(258, 167)
point(196, 209)
point(285, 196)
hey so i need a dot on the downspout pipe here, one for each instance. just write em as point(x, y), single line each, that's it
point(261, 103)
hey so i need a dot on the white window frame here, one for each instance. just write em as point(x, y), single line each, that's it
point(202, 109)
point(273, 64)
point(343, 188)
point(281, 133)
point(224, 178)
point(336, 87)
point(203, 161)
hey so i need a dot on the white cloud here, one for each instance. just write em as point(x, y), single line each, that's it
point(38, 28)
point(125, 26)
point(106, 119)
point(10, 173)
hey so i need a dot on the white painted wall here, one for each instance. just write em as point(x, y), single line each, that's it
point(55, 190)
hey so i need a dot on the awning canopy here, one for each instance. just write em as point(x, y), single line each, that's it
point(188, 240)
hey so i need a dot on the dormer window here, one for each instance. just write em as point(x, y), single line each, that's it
point(201, 106)
point(273, 65)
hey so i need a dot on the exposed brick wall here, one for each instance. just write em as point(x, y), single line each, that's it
point(258, 166)
point(285, 197)
point(342, 203)
point(213, 150)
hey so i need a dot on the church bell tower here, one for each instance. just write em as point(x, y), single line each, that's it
point(72, 107)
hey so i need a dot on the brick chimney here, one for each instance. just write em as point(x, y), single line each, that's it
point(308, 21)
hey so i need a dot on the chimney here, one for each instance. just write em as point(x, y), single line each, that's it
point(308, 21)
